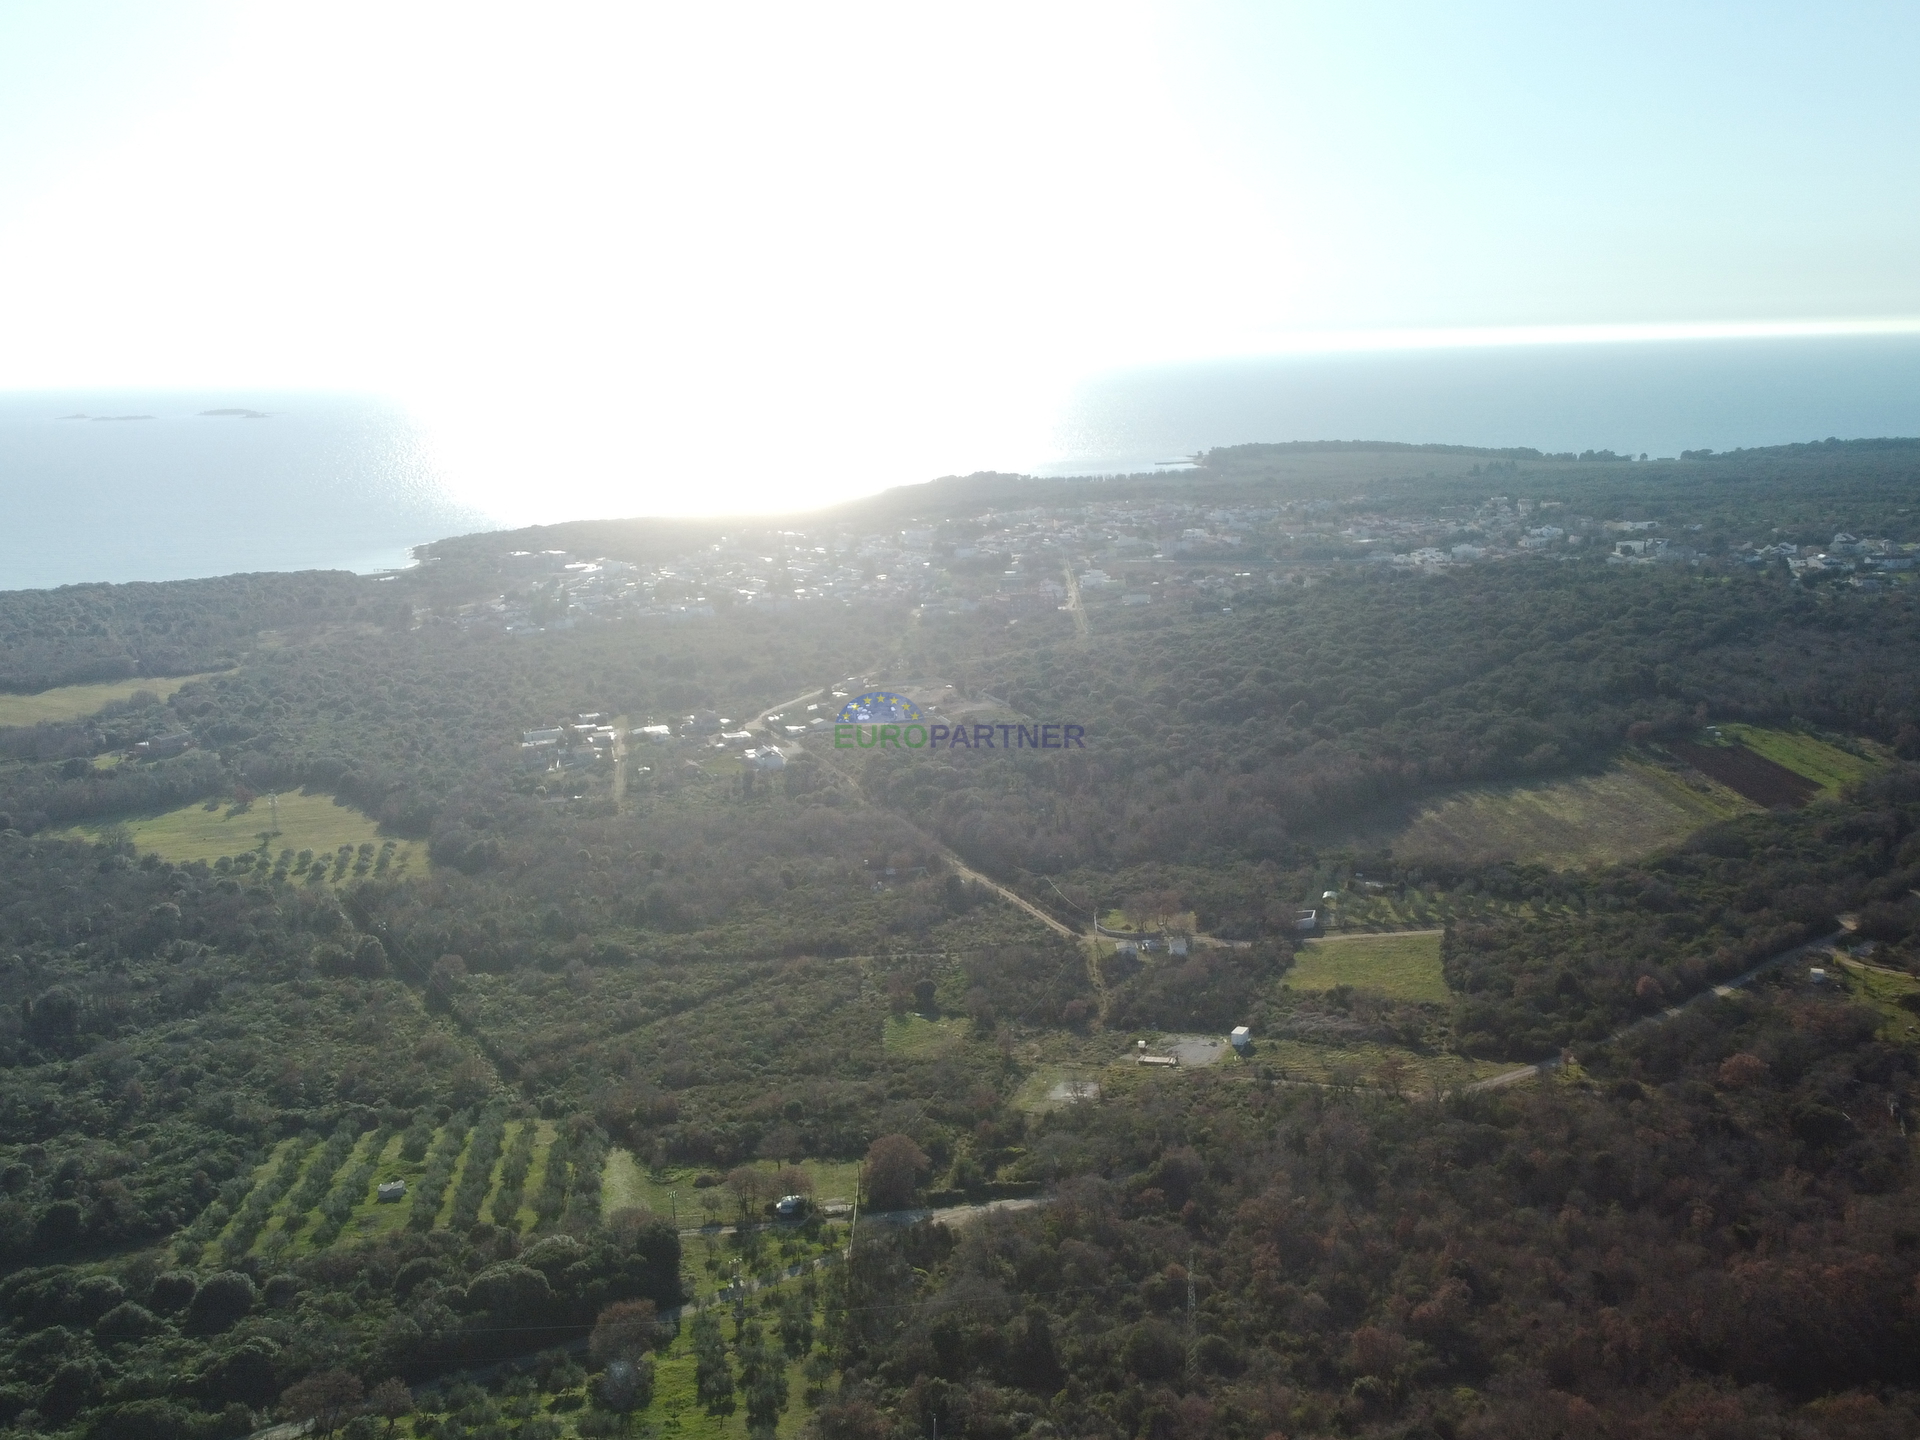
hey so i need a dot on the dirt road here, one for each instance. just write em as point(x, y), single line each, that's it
point(1718, 992)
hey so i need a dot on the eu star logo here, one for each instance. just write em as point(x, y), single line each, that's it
point(879, 706)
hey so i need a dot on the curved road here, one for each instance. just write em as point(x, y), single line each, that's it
point(1717, 992)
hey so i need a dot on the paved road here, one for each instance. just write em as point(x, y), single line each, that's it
point(1721, 991)
point(760, 721)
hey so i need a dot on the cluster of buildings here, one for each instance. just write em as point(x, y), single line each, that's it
point(592, 739)
point(1123, 552)
point(1865, 564)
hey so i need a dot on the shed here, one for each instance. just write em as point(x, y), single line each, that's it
point(1306, 921)
point(389, 1192)
point(1242, 1038)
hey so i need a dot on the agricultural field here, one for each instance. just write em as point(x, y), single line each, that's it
point(556, 1387)
point(1630, 810)
point(1384, 1067)
point(73, 702)
point(1826, 765)
point(316, 823)
point(1748, 772)
point(672, 1192)
point(1403, 967)
point(313, 1192)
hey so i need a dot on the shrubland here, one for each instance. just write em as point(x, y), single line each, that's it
point(1704, 1225)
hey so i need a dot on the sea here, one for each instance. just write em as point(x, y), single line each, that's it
point(127, 485)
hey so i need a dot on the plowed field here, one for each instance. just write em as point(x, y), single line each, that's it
point(1748, 774)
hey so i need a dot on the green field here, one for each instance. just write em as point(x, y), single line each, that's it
point(919, 1038)
point(369, 1217)
point(1630, 810)
point(1404, 966)
point(1828, 766)
point(306, 822)
point(672, 1193)
point(1883, 991)
point(71, 702)
point(1379, 1067)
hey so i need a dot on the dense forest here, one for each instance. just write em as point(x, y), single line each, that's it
point(599, 1019)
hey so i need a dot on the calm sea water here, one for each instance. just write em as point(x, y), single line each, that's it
point(1658, 399)
point(320, 482)
point(350, 482)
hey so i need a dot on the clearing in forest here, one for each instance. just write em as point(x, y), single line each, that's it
point(916, 1037)
point(1629, 810)
point(207, 830)
point(1381, 1067)
point(672, 1194)
point(1826, 765)
point(1404, 966)
point(72, 702)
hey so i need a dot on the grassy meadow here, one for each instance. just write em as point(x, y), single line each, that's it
point(208, 830)
point(672, 1192)
point(1403, 967)
point(1386, 1067)
point(72, 702)
point(1886, 992)
point(917, 1037)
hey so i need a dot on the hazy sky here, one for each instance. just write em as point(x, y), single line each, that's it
point(723, 235)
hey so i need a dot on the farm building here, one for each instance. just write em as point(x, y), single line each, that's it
point(390, 1191)
point(1177, 944)
point(1307, 921)
point(1242, 1038)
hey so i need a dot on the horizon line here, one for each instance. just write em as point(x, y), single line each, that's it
point(1488, 337)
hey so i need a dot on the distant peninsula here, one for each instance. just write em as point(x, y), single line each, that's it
point(237, 414)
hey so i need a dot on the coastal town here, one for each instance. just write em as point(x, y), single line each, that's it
point(1016, 563)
